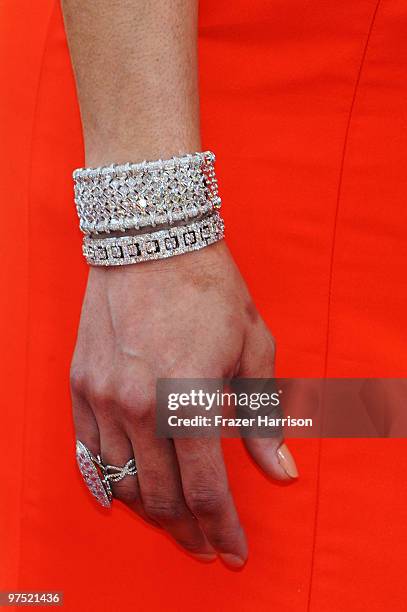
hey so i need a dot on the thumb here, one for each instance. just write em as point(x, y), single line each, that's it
point(271, 454)
point(274, 457)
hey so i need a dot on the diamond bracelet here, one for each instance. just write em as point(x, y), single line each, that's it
point(133, 196)
point(160, 244)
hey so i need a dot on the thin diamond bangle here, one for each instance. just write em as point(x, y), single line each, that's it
point(160, 244)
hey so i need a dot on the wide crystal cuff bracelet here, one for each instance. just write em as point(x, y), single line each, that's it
point(159, 244)
point(133, 196)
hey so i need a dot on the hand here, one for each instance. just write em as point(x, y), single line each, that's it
point(190, 316)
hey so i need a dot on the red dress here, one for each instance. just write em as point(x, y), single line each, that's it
point(305, 104)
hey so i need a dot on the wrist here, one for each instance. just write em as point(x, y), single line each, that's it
point(102, 151)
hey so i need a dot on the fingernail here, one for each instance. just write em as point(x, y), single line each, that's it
point(205, 556)
point(286, 460)
point(232, 560)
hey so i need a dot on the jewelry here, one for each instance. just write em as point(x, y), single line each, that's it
point(115, 474)
point(160, 244)
point(98, 476)
point(91, 468)
point(132, 196)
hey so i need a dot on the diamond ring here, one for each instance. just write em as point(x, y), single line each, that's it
point(98, 476)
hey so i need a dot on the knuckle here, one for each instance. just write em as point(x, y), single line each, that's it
point(78, 380)
point(206, 501)
point(132, 404)
point(163, 509)
point(101, 393)
point(136, 412)
point(135, 405)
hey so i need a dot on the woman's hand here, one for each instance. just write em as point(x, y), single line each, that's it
point(190, 316)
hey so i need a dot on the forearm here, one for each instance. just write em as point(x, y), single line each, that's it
point(135, 63)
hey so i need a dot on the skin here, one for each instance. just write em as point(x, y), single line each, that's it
point(136, 73)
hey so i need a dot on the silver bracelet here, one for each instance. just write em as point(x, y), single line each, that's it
point(133, 196)
point(160, 244)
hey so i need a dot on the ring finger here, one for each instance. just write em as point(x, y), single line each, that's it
point(116, 450)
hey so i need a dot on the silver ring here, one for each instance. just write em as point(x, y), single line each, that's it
point(114, 473)
point(98, 476)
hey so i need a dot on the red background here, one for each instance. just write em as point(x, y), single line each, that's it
point(305, 104)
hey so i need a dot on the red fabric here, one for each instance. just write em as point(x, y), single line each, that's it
point(305, 103)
